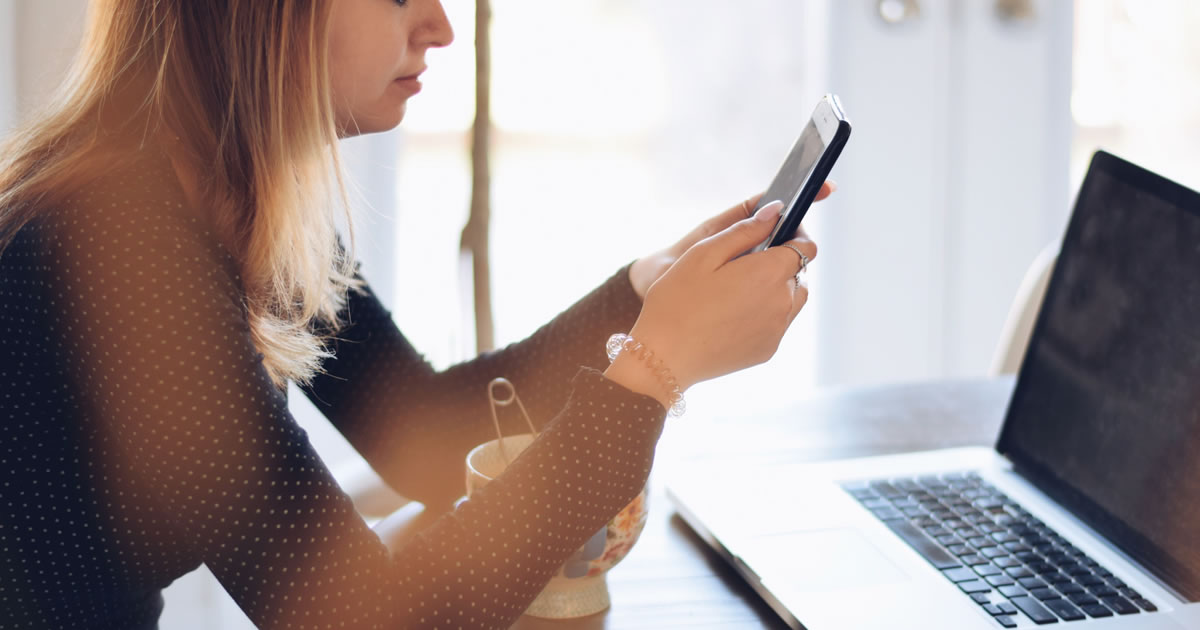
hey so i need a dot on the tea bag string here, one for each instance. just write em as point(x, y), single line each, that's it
point(497, 402)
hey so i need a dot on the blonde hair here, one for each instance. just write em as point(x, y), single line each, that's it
point(244, 84)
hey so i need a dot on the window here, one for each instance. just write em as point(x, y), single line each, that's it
point(619, 127)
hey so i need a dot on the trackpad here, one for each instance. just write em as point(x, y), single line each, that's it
point(824, 560)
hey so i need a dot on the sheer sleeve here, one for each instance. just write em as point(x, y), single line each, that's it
point(414, 425)
point(187, 429)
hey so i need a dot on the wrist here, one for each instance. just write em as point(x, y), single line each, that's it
point(644, 271)
point(629, 373)
point(635, 365)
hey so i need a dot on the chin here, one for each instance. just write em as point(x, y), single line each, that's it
point(373, 124)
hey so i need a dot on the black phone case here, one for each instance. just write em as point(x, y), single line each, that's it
point(808, 194)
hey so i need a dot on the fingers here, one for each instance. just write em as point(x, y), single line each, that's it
point(751, 203)
point(716, 224)
point(799, 286)
point(741, 236)
point(738, 212)
point(827, 189)
point(793, 256)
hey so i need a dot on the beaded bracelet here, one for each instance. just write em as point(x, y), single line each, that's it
point(621, 342)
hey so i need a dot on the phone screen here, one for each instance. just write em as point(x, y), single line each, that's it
point(796, 169)
point(792, 176)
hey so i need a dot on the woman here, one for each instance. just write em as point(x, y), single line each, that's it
point(168, 263)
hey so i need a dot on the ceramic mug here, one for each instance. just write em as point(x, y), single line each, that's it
point(579, 587)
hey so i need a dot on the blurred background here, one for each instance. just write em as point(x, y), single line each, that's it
point(621, 124)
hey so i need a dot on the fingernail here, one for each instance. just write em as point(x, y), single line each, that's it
point(769, 212)
point(832, 185)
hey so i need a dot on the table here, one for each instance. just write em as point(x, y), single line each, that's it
point(672, 580)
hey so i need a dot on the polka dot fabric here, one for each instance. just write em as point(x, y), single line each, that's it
point(140, 436)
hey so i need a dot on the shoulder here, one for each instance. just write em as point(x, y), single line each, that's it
point(132, 227)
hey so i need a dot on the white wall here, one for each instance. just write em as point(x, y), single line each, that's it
point(956, 176)
point(45, 37)
point(8, 69)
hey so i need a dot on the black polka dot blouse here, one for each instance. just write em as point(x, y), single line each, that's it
point(140, 437)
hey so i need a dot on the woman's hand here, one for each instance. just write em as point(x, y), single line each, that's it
point(712, 313)
point(646, 270)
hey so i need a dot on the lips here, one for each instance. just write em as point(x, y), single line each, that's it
point(411, 77)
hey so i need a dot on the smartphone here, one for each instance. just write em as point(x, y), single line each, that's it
point(805, 169)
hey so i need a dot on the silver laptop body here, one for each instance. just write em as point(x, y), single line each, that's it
point(1100, 446)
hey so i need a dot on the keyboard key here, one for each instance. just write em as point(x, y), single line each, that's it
point(1004, 536)
point(973, 560)
point(862, 493)
point(1121, 605)
point(885, 489)
point(1019, 572)
point(887, 513)
point(1034, 610)
point(1006, 562)
point(988, 503)
point(949, 539)
point(1096, 610)
point(924, 545)
point(1044, 593)
point(936, 530)
point(1064, 609)
point(992, 552)
point(1055, 578)
point(981, 598)
point(1012, 591)
point(987, 569)
point(1103, 591)
point(992, 609)
point(1082, 599)
point(1032, 582)
point(979, 586)
point(1057, 557)
point(1070, 588)
point(960, 550)
point(1007, 608)
point(960, 574)
point(1129, 593)
point(979, 542)
point(1145, 604)
point(999, 580)
point(1006, 621)
point(1089, 580)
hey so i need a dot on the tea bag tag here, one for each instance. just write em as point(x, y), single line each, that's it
point(495, 401)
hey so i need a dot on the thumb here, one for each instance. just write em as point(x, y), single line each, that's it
point(741, 236)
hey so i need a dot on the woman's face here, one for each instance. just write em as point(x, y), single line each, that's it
point(376, 52)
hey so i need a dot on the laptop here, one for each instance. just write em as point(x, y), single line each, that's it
point(1085, 514)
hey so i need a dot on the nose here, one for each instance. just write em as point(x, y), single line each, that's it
point(436, 31)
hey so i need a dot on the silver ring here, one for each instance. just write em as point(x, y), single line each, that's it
point(803, 258)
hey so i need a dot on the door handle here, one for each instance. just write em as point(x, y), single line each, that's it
point(1012, 11)
point(898, 11)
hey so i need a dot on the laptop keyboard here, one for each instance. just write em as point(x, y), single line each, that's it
point(996, 552)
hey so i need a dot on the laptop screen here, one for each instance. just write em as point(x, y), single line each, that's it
point(1106, 412)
